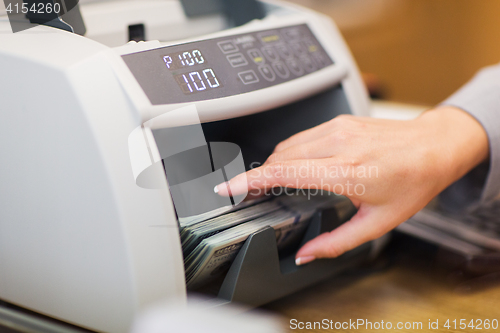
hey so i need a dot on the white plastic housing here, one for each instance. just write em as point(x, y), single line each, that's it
point(79, 240)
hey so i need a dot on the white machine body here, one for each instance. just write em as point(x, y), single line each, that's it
point(79, 240)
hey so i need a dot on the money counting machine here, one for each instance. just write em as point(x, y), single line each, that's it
point(89, 233)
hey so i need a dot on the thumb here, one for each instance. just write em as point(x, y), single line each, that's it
point(367, 224)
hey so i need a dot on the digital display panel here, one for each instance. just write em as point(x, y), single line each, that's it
point(226, 66)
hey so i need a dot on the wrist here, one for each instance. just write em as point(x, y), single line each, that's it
point(457, 139)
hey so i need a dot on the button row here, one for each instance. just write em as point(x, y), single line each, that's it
point(285, 58)
point(272, 53)
point(272, 37)
point(280, 69)
point(239, 60)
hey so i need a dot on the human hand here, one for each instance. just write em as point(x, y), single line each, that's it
point(389, 169)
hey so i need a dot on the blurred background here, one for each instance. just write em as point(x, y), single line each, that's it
point(417, 51)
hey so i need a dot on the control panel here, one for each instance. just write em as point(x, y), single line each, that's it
point(227, 66)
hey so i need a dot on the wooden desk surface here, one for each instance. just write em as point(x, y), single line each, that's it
point(403, 292)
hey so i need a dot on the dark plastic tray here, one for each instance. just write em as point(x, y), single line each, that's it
point(258, 276)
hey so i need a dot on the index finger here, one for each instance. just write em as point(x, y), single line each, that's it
point(299, 174)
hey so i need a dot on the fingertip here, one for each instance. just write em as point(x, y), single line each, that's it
point(304, 260)
point(222, 189)
point(236, 186)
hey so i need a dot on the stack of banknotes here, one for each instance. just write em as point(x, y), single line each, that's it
point(211, 242)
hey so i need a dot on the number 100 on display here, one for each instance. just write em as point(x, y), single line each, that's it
point(197, 81)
